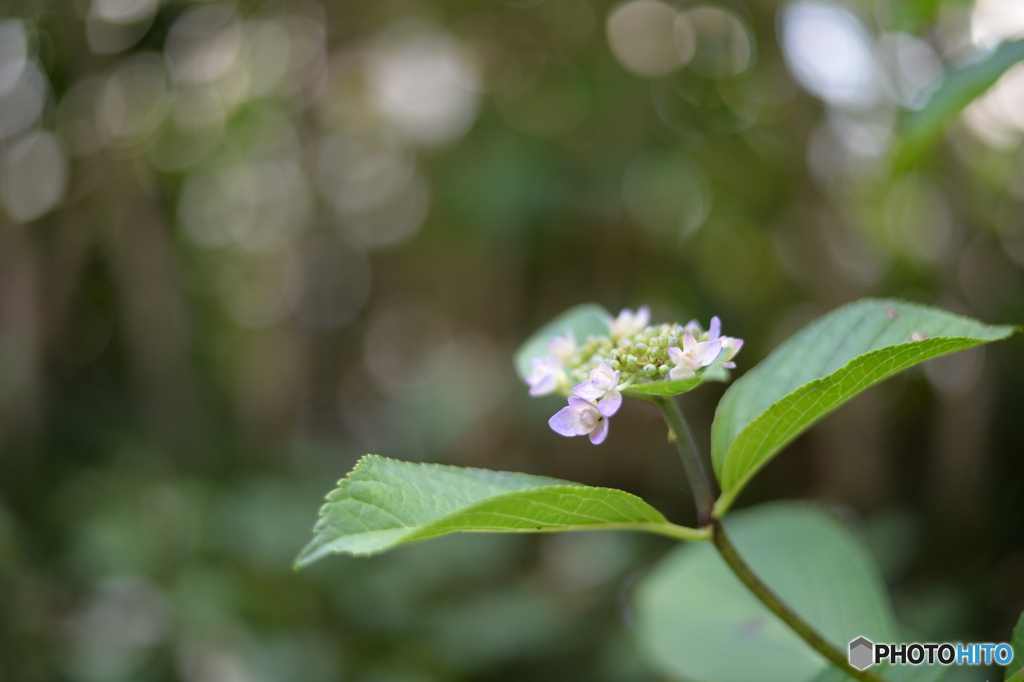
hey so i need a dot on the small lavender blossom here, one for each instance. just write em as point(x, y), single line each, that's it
point(546, 374)
point(602, 388)
point(629, 323)
point(692, 356)
point(730, 345)
point(578, 418)
point(563, 347)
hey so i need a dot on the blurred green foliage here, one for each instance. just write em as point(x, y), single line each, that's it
point(243, 244)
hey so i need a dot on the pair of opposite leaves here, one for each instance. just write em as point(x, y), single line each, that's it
point(690, 608)
point(384, 503)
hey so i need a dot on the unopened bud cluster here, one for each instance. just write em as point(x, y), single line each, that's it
point(632, 352)
point(646, 354)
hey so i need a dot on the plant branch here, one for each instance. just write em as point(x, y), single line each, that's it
point(680, 434)
point(781, 609)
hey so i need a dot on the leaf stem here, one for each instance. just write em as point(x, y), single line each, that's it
point(781, 609)
point(680, 434)
point(671, 530)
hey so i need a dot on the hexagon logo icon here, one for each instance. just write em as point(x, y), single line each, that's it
point(861, 653)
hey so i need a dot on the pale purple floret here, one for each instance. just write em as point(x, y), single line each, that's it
point(693, 326)
point(578, 418)
point(730, 345)
point(715, 330)
point(629, 323)
point(692, 356)
point(563, 347)
point(602, 388)
point(545, 375)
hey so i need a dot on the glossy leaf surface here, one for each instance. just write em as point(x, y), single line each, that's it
point(822, 366)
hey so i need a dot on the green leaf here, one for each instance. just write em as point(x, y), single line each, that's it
point(1015, 671)
point(585, 320)
point(385, 503)
point(960, 88)
point(697, 620)
point(818, 369)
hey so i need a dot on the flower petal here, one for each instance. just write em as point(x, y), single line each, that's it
point(710, 351)
point(546, 385)
point(579, 404)
point(733, 345)
point(643, 316)
point(680, 373)
point(628, 322)
point(715, 330)
point(676, 355)
point(688, 341)
point(565, 421)
point(598, 435)
point(610, 404)
point(604, 377)
point(562, 347)
point(588, 391)
point(623, 324)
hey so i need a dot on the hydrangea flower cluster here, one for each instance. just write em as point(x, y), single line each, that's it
point(632, 352)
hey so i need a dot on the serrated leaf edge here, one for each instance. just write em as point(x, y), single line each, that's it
point(418, 532)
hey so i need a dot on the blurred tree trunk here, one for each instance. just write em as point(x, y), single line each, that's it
point(152, 315)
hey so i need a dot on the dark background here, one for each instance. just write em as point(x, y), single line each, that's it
point(242, 245)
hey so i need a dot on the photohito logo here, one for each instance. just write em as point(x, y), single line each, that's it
point(865, 653)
